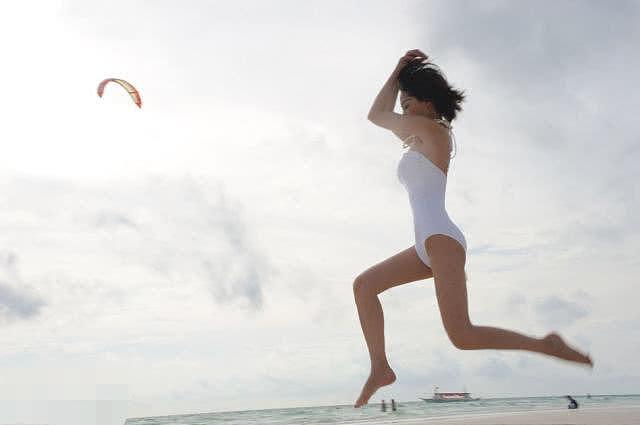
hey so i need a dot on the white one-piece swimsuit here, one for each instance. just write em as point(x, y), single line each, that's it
point(426, 184)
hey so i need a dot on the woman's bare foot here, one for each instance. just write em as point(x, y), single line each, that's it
point(555, 346)
point(375, 381)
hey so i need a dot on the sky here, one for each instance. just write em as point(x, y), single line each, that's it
point(198, 254)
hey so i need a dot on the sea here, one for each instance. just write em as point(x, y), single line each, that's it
point(406, 412)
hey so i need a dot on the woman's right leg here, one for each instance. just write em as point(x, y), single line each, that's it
point(448, 261)
point(399, 269)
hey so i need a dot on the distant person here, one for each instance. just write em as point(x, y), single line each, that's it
point(573, 404)
point(393, 405)
point(429, 105)
point(383, 406)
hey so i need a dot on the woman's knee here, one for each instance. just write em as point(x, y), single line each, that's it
point(460, 334)
point(359, 284)
point(363, 284)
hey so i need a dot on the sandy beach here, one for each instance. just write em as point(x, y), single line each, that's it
point(589, 416)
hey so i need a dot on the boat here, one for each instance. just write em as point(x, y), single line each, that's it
point(445, 397)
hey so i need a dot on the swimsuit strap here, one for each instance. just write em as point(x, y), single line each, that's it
point(447, 124)
point(443, 121)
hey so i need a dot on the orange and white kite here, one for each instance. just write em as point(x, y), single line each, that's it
point(135, 95)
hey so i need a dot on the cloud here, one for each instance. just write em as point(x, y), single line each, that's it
point(494, 367)
point(554, 311)
point(178, 228)
point(16, 304)
point(245, 271)
point(515, 303)
point(491, 249)
point(110, 219)
point(238, 279)
point(16, 301)
point(532, 49)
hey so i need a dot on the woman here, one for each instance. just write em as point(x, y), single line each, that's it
point(429, 106)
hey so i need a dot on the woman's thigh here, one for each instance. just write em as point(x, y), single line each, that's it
point(401, 268)
point(448, 265)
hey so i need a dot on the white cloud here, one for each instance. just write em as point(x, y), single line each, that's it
point(555, 311)
point(17, 301)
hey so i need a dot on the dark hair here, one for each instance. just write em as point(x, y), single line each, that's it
point(424, 81)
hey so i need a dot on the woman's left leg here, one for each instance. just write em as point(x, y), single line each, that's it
point(447, 262)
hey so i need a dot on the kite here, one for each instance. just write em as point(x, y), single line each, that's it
point(127, 86)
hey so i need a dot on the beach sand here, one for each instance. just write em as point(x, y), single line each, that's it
point(589, 416)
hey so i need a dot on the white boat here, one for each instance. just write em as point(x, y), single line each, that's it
point(442, 397)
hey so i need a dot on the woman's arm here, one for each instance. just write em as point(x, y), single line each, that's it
point(382, 109)
point(381, 112)
point(386, 99)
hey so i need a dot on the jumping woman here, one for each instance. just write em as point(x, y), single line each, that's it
point(429, 105)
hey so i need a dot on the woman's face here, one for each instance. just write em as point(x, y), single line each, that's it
point(412, 106)
point(409, 105)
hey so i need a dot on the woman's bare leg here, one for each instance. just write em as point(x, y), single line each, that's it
point(402, 268)
point(447, 262)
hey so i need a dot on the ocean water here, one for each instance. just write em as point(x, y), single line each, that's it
point(407, 412)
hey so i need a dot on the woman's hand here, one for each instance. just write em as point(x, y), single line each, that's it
point(408, 57)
